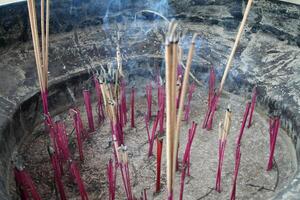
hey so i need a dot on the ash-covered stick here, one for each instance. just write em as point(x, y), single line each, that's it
point(149, 99)
point(273, 137)
point(154, 127)
point(253, 102)
point(88, 108)
point(57, 173)
point(25, 184)
point(246, 113)
point(132, 107)
point(211, 89)
point(159, 146)
point(100, 109)
point(77, 178)
point(77, 123)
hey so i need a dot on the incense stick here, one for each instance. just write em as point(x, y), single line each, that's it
point(237, 40)
point(253, 102)
point(132, 107)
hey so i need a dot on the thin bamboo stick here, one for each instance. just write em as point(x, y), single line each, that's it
point(237, 40)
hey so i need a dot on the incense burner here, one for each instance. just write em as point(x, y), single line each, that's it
point(84, 38)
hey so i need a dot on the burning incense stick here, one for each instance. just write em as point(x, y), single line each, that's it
point(274, 128)
point(159, 146)
point(57, 173)
point(182, 97)
point(76, 175)
point(237, 40)
point(132, 107)
point(223, 133)
point(89, 111)
point(111, 176)
point(253, 102)
point(41, 57)
point(171, 68)
point(25, 184)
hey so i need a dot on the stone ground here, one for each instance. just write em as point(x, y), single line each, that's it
point(253, 181)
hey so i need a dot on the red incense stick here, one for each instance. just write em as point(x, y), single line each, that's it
point(236, 171)
point(246, 113)
point(88, 108)
point(62, 141)
point(154, 127)
point(77, 123)
point(253, 102)
point(161, 104)
point(159, 145)
point(25, 184)
point(123, 101)
point(44, 95)
point(111, 180)
point(186, 157)
point(57, 173)
point(76, 175)
point(132, 107)
point(149, 99)
point(274, 128)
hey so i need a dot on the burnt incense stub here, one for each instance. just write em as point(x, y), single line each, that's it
point(101, 76)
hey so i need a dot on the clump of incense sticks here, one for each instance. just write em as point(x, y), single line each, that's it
point(62, 141)
point(88, 108)
point(274, 123)
point(149, 99)
point(223, 133)
point(171, 56)
point(111, 176)
point(238, 152)
point(186, 157)
point(253, 102)
point(79, 130)
point(159, 146)
point(100, 109)
point(25, 184)
point(57, 173)
point(132, 107)
point(77, 178)
point(123, 164)
point(41, 55)
point(192, 89)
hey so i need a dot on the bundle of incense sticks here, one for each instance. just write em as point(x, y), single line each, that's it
point(57, 173)
point(192, 89)
point(149, 99)
point(161, 105)
point(132, 107)
point(77, 178)
point(253, 102)
point(186, 158)
point(100, 109)
point(123, 164)
point(236, 171)
point(159, 146)
point(79, 130)
point(111, 176)
point(211, 89)
point(88, 108)
point(123, 101)
point(274, 128)
point(62, 141)
point(41, 55)
point(223, 133)
point(152, 136)
point(171, 57)
point(25, 184)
